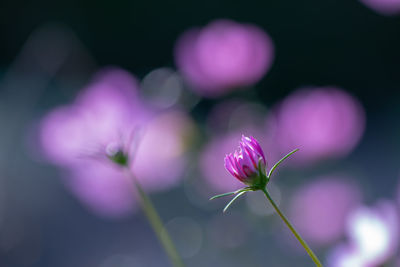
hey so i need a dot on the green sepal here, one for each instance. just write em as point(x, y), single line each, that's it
point(119, 158)
point(260, 179)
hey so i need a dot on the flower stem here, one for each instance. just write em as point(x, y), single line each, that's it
point(155, 222)
point(290, 226)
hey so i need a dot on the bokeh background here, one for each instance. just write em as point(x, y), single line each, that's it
point(323, 76)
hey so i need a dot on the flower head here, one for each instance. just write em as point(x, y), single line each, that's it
point(248, 163)
point(97, 134)
point(324, 122)
point(223, 56)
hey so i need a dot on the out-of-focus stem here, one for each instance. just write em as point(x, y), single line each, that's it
point(155, 222)
point(290, 226)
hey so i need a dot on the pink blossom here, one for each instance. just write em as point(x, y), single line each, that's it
point(102, 188)
point(246, 163)
point(226, 121)
point(102, 121)
point(319, 209)
point(210, 163)
point(104, 112)
point(322, 122)
point(223, 56)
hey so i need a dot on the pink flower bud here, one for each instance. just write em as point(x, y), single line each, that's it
point(248, 163)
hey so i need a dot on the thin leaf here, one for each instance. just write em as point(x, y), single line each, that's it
point(280, 161)
point(223, 195)
point(247, 188)
point(233, 199)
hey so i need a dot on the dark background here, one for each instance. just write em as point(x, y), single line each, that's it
point(318, 42)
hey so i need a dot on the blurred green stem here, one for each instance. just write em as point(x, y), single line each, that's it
point(155, 222)
point(290, 226)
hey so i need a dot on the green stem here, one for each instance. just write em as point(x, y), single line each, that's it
point(301, 240)
point(156, 223)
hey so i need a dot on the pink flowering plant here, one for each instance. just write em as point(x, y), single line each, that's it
point(98, 139)
point(248, 165)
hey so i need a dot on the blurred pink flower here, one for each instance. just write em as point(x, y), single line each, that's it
point(384, 7)
point(223, 56)
point(246, 163)
point(102, 188)
point(373, 237)
point(106, 111)
point(102, 120)
point(319, 209)
point(322, 122)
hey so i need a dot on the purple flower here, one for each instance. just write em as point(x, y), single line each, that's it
point(224, 55)
point(216, 177)
point(105, 112)
point(101, 188)
point(323, 122)
point(319, 209)
point(225, 122)
point(384, 7)
point(93, 136)
point(248, 163)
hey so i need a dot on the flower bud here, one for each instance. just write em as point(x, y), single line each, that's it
point(248, 163)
